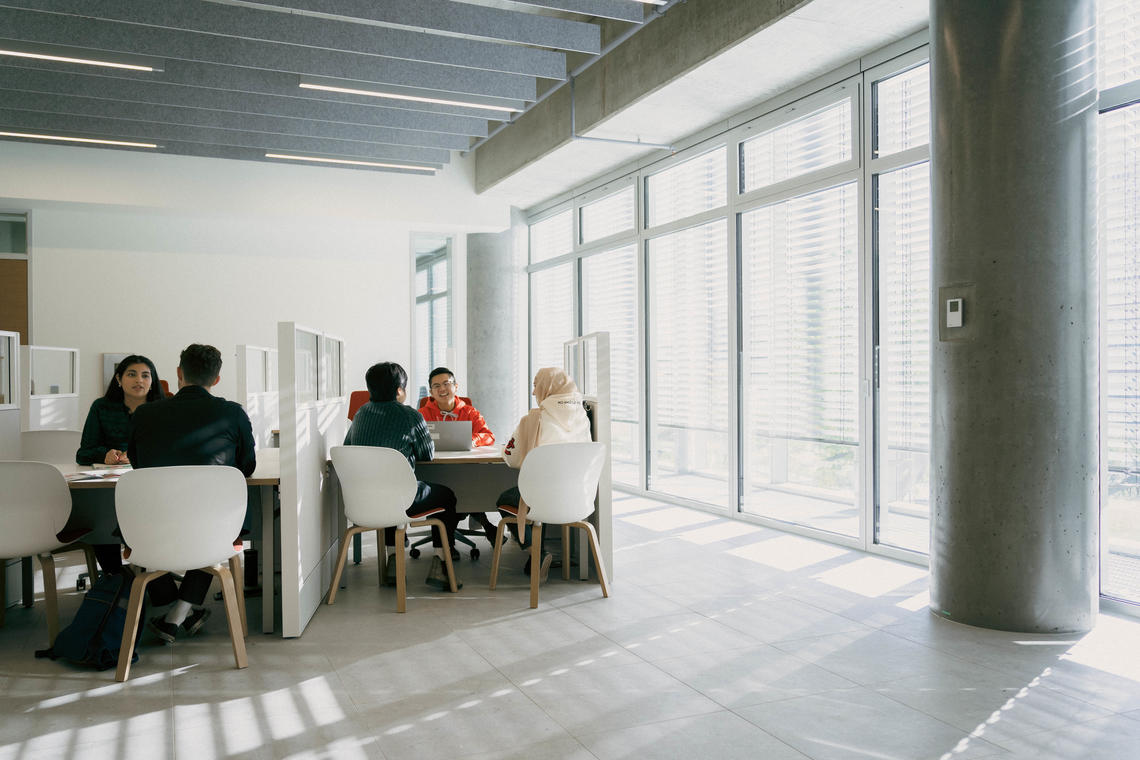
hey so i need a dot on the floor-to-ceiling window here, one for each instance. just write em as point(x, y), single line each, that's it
point(899, 170)
point(735, 277)
point(1119, 251)
point(799, 305)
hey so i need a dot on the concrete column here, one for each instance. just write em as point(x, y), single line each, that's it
point(1015, 389)
point(492, 340)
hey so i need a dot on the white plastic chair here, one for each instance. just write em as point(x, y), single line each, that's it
point(378, 486)
point(34, 506)
point(178, 519)
point(558, 483)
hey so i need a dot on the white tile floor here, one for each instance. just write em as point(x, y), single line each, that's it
point(721, 640)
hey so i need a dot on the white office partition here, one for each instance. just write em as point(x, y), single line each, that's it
point(257, 391)
point(10, 441)
point(313, 419)
point(587, 361)
point(9, 395)
point(50, 388)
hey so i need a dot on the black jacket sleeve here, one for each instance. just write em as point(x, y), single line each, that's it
point(92, 447)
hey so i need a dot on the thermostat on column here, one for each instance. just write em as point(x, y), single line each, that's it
point(954, 312)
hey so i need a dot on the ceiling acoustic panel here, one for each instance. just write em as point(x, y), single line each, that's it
point(380, 85)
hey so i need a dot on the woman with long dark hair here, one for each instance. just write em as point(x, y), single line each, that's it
point(108, 426)
point(104, 441)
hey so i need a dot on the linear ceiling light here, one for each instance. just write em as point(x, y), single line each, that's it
point(124, 143)
point(68, 59)
point(413, 98)
point(352, 163)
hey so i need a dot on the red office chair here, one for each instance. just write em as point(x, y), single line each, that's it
point(356, 400)
point(165, 389)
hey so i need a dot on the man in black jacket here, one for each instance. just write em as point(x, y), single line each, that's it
point(192, 428)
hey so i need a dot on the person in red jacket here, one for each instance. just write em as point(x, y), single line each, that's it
point(443, 405)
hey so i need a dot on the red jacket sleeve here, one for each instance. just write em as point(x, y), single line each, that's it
point(481, 435)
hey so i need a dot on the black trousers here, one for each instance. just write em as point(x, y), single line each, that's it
point(193, 589)
point(428, 496)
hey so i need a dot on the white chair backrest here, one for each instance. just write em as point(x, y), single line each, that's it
point(181, 518)
point(558, 481)
point(34, 506)
point(377, 484)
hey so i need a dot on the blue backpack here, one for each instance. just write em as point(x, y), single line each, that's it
point(93, 638)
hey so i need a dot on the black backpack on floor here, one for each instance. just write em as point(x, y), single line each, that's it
point(93, 638)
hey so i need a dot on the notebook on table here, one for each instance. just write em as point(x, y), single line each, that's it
point(453, 435)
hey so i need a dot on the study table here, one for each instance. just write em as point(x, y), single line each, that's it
point(266, 478)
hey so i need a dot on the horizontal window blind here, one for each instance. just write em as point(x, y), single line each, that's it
point(1118, 42)
point(902, 111)
point(551, 315)
point(608, 216)
point(687, 188)
point(797, 147)
point(552, 237)
point(801, 298)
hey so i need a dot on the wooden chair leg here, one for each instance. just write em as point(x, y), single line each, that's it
point(233, 617)
point(131, 624)
point(51, 605)
point(401, 573)
point(497, 552)
point(596, 551)
point(341, 556)
point(565, 552)
point(239, 589)
point(535, 561)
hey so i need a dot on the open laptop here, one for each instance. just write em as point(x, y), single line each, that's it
point(453, 435)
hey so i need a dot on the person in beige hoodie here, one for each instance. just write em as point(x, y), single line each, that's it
point(559, 418)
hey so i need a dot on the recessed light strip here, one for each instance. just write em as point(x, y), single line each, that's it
point(123, 143)
point(67, 59)
point(412, 98)
point(352, 163)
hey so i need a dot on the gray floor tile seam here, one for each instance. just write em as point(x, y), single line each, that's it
point(1074, 694)
point(1002, 751)
point(1008, 743)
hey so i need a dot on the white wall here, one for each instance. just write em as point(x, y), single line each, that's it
point(135, 252)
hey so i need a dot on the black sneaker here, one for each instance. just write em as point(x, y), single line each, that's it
point(193, 622)
point(164, 630)
point(390, 571)
point(437, 576)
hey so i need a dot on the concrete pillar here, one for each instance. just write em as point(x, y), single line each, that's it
point(492, 340)
point(1015, 389)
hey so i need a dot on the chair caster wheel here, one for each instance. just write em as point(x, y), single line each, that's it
point(414, 552)
point(474, 554)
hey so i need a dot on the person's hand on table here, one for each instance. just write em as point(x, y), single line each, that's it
point(114, 456)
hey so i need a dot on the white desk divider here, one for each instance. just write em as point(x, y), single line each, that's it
point(313, 419)
point(49, 390)
point(9, 395)
point(10, 442)
point(587, 361)
point(257, 391)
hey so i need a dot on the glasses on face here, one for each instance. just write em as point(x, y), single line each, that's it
point(441, 386)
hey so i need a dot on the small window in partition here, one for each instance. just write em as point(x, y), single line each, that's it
point(308, 368)
point(8, 344)
point(52, 370)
